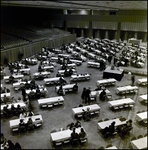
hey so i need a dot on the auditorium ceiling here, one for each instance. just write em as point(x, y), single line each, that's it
point(94, 5)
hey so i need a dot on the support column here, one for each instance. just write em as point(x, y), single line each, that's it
point(145, 38)
point(82, 33)
point(135, 36)
point(106, 34)
point(73, 31)
point(118, 31)
point(125, 36)
point(65, 25)
point(115, 37)
point(90, 26)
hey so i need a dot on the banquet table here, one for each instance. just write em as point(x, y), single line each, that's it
point(23, 71)
point(60, 136)
point(20, 76)
point(139, 143)
point(126, 89)
point(120, 102)
point(67, 88)
point(51, 100)
point(77, 62)
point(143, 98)
point(93, 64)
point(22, 105)
point(34, 90)
point(44, 74)
point(61, 72)
point(106, 82)
point(32, 61)
point(49, 81)
point(80, 77)
point(141, 116)
point(48, 68)
point(142, 81)
point(18, 84)
point(71, 66)
point(7, 95)
point(95, 94)
point(79, 110)
point(36, 119)
point(54, 59)
point(104, 124)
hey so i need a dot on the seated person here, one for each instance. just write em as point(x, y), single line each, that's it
point(19, 110)
point(82, 134)
point(66, 73)
point(43, 92)
point(5, 99)
point(4, 90)
point(22, 115)
point(32, 84)
point(13, 110)
point(129, 123)
point(38, 93)
point(58, 74)
point(86, 115)
point(74, 135)
point(112, 127)
point(70, 72)
point(62, 81)
point(27, 85)
point(75, 87)
point(30, 123)
point(11, 79)
point(61, 90)
point(71, 126)
point(77, 124)
point(32, 93)
point(102, 95)
point(26, 66)
point(6, 111)
point(30, 113)
point(22, 125)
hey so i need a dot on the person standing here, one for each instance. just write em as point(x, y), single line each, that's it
point(88, 91)
point(24, 93)
point(133, 79)
point(83, 96)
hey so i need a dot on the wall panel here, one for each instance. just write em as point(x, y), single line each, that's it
point(77, 24)
point(31, 49)
point(127, 26)
point(104, 25)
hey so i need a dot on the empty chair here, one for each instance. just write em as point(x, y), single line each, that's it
point(133, 138)
point(58, 143)
point(44, 106)
point(106, 119)
point(101, 147)
point(79, 115)
point(65, 142)
point(140, 136)
point(109, 145)
point(30, 127)
point(83, 140)
point(100, 121)
point(49, 105)
point(56, 103)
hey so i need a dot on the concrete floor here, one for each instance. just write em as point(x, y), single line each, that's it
point(60, 117)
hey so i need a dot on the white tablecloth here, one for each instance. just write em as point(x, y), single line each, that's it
point(139, 143)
